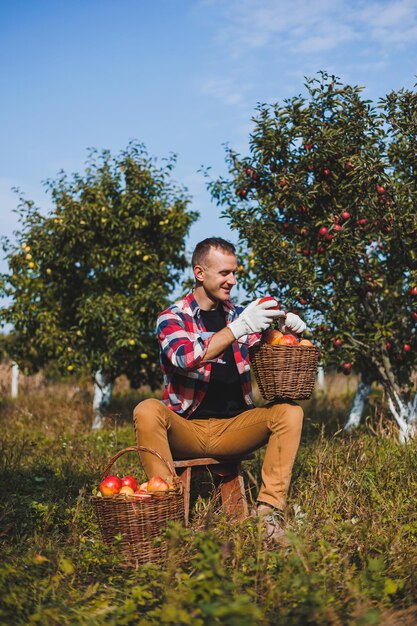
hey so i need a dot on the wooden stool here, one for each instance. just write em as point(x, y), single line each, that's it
point(232, 487)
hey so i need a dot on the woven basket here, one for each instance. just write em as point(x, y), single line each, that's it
point(284, 371)
point(136, 525)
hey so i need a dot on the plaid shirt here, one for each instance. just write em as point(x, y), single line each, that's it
point(183, 343)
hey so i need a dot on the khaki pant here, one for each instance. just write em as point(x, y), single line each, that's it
point(278, 426)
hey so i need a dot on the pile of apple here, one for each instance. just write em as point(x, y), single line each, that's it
point(275, 337)
point(128, 486)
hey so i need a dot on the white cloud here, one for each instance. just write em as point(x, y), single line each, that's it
point(224, 89)
point(313, 26)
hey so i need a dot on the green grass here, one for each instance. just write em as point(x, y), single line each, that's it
point(352, 557)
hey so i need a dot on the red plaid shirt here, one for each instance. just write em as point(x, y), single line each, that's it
point(183, 343)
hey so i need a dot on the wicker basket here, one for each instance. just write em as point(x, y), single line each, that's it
point(136, 525)
point(284, 371)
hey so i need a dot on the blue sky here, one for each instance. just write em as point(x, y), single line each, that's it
point(181, 76)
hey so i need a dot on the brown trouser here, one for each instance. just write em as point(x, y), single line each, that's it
point(278, 426)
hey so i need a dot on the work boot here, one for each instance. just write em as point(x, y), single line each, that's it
point(273, 521)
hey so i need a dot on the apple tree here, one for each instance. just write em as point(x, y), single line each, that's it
point(87, 278)
point(326, 202)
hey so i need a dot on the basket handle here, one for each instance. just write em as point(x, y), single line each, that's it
point(136, 449)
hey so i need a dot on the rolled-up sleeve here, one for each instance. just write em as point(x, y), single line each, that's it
point(184, 350)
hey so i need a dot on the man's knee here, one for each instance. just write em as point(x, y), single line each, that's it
point(290, 415)
point(147, 415)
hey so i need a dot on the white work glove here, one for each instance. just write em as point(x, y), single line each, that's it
point(255, 318)
point(293, 324)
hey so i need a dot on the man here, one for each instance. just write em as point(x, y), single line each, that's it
point(207, 408)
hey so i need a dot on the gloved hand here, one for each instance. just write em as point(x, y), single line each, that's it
point(255, 318)
point(293, 324)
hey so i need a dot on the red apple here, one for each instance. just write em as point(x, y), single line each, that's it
point(288, 340)
point(126, 490)
point(274, 304)
point(380, 189)
point(129, 481)
point(303, 301)
point(337, 343)
point(157, 484)
point(242, 193)
point(308, 146)
point(388, 345)
point(322, 231)
point(273, 337)
point(144, 495)
point(326, 171)
point(252, 173)
point(282, 182)
point(406, 347)
point(328, 236)
point(337, 227)
point(345, 215)
point(347, 368)
point(306, 252)
point(110, 486)
point(349, 166)
point(414, 315)
point(362, 221)
point(413, 291)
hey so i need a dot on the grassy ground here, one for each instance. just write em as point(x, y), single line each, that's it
point(352, 557)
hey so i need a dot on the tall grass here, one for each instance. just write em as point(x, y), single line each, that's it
point(352, 521)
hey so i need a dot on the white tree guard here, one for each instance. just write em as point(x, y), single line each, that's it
point(14, 392)
point(358, 405)
point(102, 395)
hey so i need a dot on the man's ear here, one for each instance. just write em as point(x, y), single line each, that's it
point(198, 272)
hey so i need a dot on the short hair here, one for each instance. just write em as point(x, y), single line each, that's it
point(203, 248)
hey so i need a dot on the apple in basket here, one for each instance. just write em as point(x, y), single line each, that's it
point(288, 340)
point(157, 484)
point(126, 490)
point(110, 486)
point(129, 481)
point(306, 343)
point(273, 336)
point(142, 494)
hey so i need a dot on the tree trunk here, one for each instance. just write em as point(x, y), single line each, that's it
point(321, 383)
point(15, 380)
point(103, 388)
point(358, 404)
point(405, 414)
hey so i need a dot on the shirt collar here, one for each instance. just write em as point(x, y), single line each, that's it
point(191, 302)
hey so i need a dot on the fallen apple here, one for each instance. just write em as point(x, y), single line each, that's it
point(110, 486)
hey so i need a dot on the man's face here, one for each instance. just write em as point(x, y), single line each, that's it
point(217, 274)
